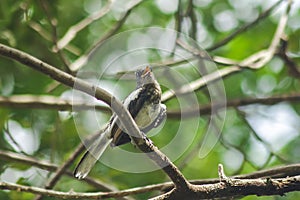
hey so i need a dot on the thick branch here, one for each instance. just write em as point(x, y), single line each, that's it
point(55, 73)
point(231, 188)
point(239, 187)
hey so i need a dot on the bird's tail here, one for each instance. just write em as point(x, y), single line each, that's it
point(91, 156)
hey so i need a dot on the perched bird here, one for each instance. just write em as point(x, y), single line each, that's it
point(144, 105)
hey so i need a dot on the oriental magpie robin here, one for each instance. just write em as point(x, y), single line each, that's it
point(144, 105)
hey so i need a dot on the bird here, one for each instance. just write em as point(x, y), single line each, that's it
point(145, 107)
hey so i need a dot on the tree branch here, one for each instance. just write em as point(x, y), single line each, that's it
point(292, 66)
point(10, 156)
point(52, 102)
point(53, 23)
point(73, 30)
point(206, 109)
point(48, 102)
point(47, 36)
point(199, 83)
point(62, 169)
point(232, 188)
point(245, 27)
point(82, 60)
point(14, 157)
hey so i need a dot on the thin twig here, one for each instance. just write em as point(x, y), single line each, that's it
point(62, 169)
point(206, 109)
point(191, 13)
point(172, 63)
point(178, 24)
point(47, 36)
point(75, 29)
point(238, 148)
point(82, 60)
point(53, 23)
point(221, 173)
point(266, 144)
point(245, 27)
point(199, 83)
point(282, 53)
point(178, 18)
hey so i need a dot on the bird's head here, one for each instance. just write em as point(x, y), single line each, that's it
point(144, 76)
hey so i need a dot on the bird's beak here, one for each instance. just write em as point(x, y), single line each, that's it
point(146, 71)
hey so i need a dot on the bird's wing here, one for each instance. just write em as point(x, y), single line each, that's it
point(158, 120)
point(134, 103)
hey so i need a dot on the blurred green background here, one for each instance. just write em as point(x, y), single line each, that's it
point(253, 137)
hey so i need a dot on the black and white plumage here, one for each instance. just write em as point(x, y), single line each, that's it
point(144, 105)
